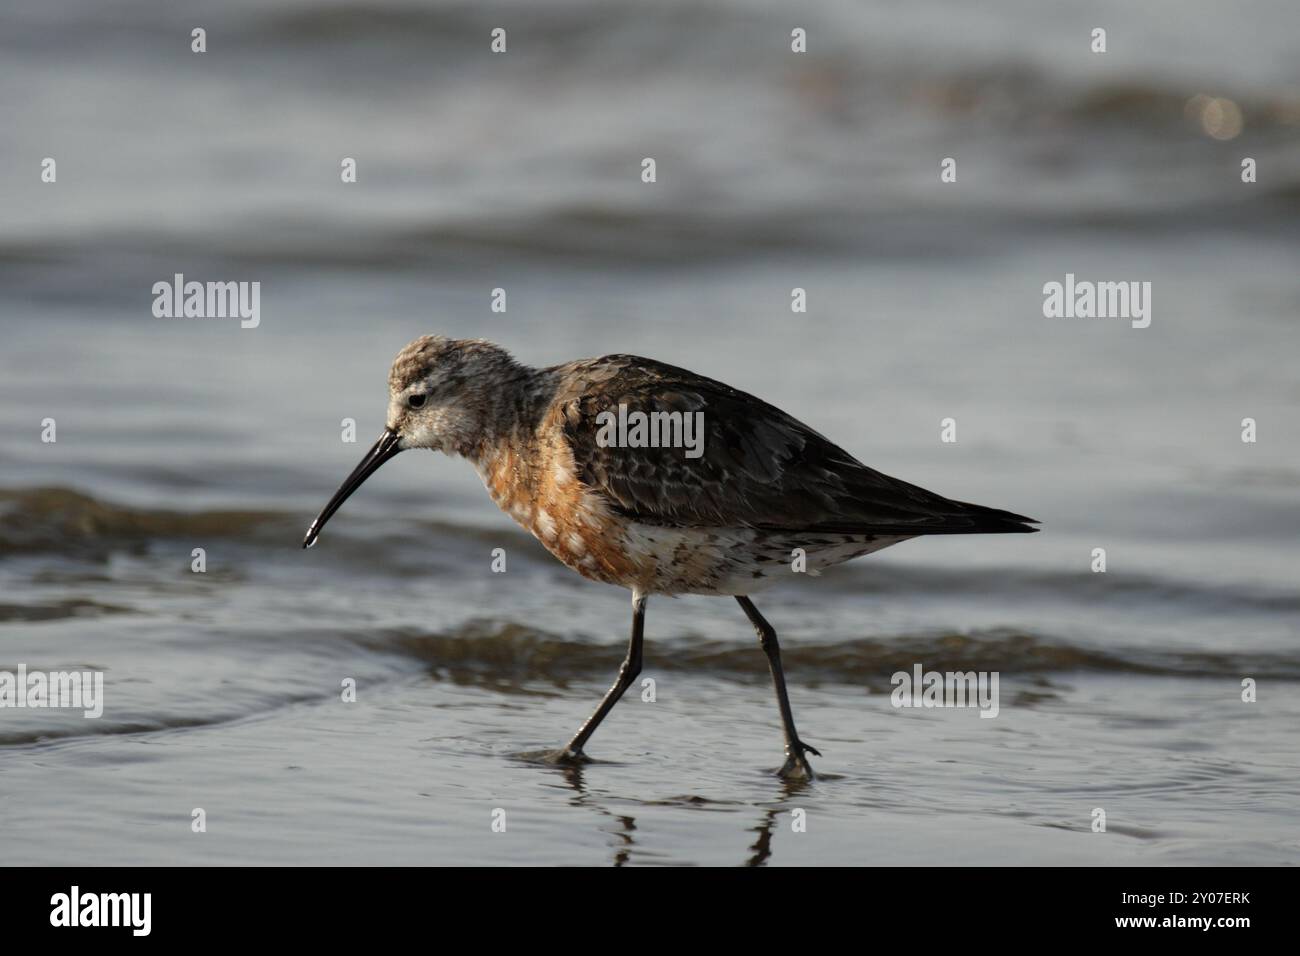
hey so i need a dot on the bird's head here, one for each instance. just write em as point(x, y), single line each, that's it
point(443, 394)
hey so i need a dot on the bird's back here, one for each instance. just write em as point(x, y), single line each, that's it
point(758, 467)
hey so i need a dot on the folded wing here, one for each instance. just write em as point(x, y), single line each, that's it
point(759, 467)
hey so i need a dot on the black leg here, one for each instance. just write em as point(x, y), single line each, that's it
point(795, 761)
point(627, 673)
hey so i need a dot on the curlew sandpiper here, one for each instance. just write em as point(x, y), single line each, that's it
point(718, 515)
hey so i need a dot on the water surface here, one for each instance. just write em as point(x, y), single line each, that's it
point(1118, 690)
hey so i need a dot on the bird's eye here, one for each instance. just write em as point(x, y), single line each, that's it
point(415, 401)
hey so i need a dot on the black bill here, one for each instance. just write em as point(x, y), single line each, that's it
point(384, 449)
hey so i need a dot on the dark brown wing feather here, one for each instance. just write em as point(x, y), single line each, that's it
point(760, 467)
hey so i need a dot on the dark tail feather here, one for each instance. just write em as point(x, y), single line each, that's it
point(954, 517)
point(981, 520)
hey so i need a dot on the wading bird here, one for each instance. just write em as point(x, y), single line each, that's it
point(720, 515)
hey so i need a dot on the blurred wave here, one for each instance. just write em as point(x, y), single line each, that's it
point(504, 652)
point(514, 658)
point(535, 154)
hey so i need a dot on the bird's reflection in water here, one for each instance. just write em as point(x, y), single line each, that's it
point(572, 775)
point(760, 852)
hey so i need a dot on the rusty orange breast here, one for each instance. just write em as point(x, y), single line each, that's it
point(538, 487)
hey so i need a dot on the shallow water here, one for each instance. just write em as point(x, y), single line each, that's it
point(1119, 691)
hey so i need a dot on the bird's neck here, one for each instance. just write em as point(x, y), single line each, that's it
point(510, 412)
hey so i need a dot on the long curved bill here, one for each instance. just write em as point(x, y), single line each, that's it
point(389, 444)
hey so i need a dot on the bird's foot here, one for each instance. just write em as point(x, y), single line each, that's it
point(563, 757)
point(567, 758)
point(796, 765)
